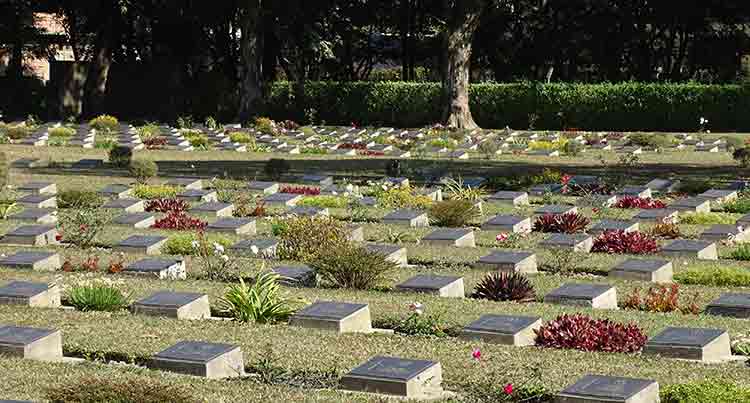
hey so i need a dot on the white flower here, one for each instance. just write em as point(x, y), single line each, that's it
point(218, 248)
point(254, 249)
point(195, 244)
point(225, 258)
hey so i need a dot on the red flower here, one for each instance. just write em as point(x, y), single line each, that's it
point(595, 210)
point(476, 354)
point(508, 389)
point(58, 237)
point(565, 179)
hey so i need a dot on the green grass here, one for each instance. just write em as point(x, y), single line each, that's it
point(707, 218)
point(717, 276)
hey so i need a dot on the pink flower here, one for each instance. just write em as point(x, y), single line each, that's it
point(416, 307)
point(565, 179)
point(508, 389)
point(502, 237)
point(476, 354)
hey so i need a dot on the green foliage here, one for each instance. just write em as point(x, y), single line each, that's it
point(241, 137)
point(197, 139)
point(489, 148)
point(352, 266)
point(651, 140)
point(183, 244)
point(259, 302)
point(733, 142)
point(572, 148)
point(741, 253)
point(81, 226)
point(459, 191)
point(61, 132)
point(140, 390)
point(740, 205)
point(706, 391)
point(104, 123)
point(706, 218)
point(150, 192)
point(693, 187)
point(4, 169)
point(266, 126)
point(547, 176)
point(120, 156)
point(324, 201)
point(416, 324)
point(96, 295)
point(148, 131)
point(715, 276)
point(400, 197)
point(742, 156)
point(17, 132)
point(305, 238)
point(453, 213)
point(78, 199)
point(543, 145)
point(143, 170)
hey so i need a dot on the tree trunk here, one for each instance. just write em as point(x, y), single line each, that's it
point(464, 22)
point(251, 54)
point(96, 79)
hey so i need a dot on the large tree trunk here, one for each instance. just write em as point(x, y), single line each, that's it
point(251, 54)
point(464, 22)
point(96, 79)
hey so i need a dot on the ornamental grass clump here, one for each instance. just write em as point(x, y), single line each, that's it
point(568, 223)
point(453, 213)
point(505, 287)
point(96, 294)
point(261, 301)
point(305, 238)
point(584, 333)
point(622, 242)
point(352, 266)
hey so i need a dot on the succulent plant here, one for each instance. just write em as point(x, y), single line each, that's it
point(505, 287)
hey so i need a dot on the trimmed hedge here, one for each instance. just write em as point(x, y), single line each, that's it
point(627, 106)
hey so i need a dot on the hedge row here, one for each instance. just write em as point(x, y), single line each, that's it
point(628, 106)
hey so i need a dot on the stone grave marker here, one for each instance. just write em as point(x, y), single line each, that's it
point(744, 221)
point(198, 195)
point(317, 180)
point(263, 187)
point(443, 286)
point(88, 163)
point(703, 250)
point(266, 247)
point(180, 305)
point(555, 209)
point(173, 269)
point(34, 260)
point(719, 195)
point(458, 237)
point(610, 389)
point(394, 253)
point(127, 205)
point(210, 360)
point(411, 218)
point(117, 191)
point(708, 345)
point(721, 232)
point(433, 193)
point(509, 261)
point(730, 304)
point(47, 188)
point(37, 295)
point(508, 223)
point(187, 183)
point(35, 235)
point(238, 226)
point(576, 242)
point(658, 215)
point(297, 275)
point(42, 200)
point(413, 379)
point(400, 182)
point(31, 343)
point(356, 232)
point(693, 204)
point(597, 296)
point(216, 209)
point(652, 270)
point(635, 191)
point(503, 329)
point(342, 317)
point(308, 211)
point(283, 199)
point(135, 220)
point(613, 225)
point(514, 198)
point(36, 215)
point(544, 188)
point(146, 245)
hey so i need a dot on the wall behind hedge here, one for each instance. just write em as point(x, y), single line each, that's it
point(628, 106)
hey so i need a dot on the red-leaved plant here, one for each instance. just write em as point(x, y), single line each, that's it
point(619, 241)
point(661, 298)
point(179, 220)
point(370, 153)
point(568, 223)
point(166, 205)
point(581, 332)
point(155, 143)
point(300, 190)
point(645, 203)
point(352, 146)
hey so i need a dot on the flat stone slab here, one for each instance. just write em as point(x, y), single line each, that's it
point(34, 260)
point(239, 226)
point(147, 245)
point(721, 232)
point(283, 199)
point(708, 345)
point(719, 195)
point(659, 215)
point(663, 185)
point(318, 180)
point(266, 247)
point(696, 204)
point(414, 379)
point(703, 250)
point(459, 237)
point(38, 201)
point(36, 215)
point(503, 329)
point(37, 295)
point(216, 209)
point(135, 220)
point(198, 195)
point(31, 343)
point(127, 205)
point(510, 262)
point(576, 242)
point(298, 275)
point(508, 223)
point(38, 188)
point(210, 360)
point(187, 183)
point(393, 253)
point(730, 304)
point(342, 317)
point(117, 191)
point(542, 189)
point(601, 389)
point(180, 305)
point(555, 209)
point(309, 211)
point(613, 225)
point(162, 268)
point(35, 235)
point(264, 187)
point(411, 218)
point(514, 198)
point(637, 191)
point(653, 270)
point(597, 296)
point(443, 286)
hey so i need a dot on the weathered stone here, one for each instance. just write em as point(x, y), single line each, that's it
point(264, 187)
point(38, 201)
point(689, 248)
point(239, 226)
point(459, 237)
point(555, 209)
point(173, 269)
point(147, 245)
point(36, 215)
point(508, 223)
point(394, 253)
point(35, 235)
point(597, 296)
point(576, 242)
point(411, 218)
point(613, 225)
point(413, 379)
point(694, 204)
point(443, 286)
point(216, 209)
point(210, 360)
point(341, 317)
point(37, 295)
point(127, 205)
point(503, 329)
point(180, 305)
point(514, 198)
point(284, 199)
point(31, 343)
point(731, 304)
point(505, 261)
point(135, 220)
point(610, 389)
point(48, 188)
point(707, 345)
point(657, 271)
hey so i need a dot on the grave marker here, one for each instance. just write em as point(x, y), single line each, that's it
point(37, 295)
point(263, 187)
point(555, 209)
point(730, 304)
point(187, 183)
point(577, 242)
point(300, 275)
point(394, 253)
point(658, 215)
point(284, 199)
point(610, 389)
point(694, 204)
point(173, 269)
point(508, 223)
point(117, 191)
point(657, 271)
point(306, 211)
point(443, 286)
point(31, 343)
point(266, 247)
point(180, 305)
point(503, 329)
point(411, 218)
point(36, 215)
point(238, 226)
point(35, 235)
point(135, 220)
point(597, 296)
point(703, 250)
point(458, 237)
point(38, 201)
point(146, 245)
point(43, 261)
point(210, 360)
point(707, 345)
point(127, 205)
point(216, 209)
point(341, 317)
point(721, 232)
point(613, 225)
point(198, 195)
point(413, 379)
point(514, 198)
point(47, 188)
point(509, 262)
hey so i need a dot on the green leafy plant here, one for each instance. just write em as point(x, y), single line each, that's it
point(212, 260)
point(120, 390)
point(96, 295)
point(81, 227)
point(104, 123)
point(453, 213)
point(573, 148)
point(392, 197)
point(352, 266)
point(396, 237)
point(505, 287)
point(706, 218)
point(563, 261)
point(740, 205)
point(61, 132)
point(184, 244)
point(706, 391)
point(657, 141)
point(4, 169)
point(715, 276)
point(459, 191)
point(305, 238)
point(416, 323)
point(259, 302)
point(7, 208)
point(741, 253)
point(120, 156)
point(241, 137)
point(143, 170)
point(325, 201)
point(79, 199)
point(267, 126)
point(150, 192)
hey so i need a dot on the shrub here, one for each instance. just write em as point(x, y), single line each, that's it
point(96, 295)
point(459, 191)
point(143, 170)
point(259, 302)
point(651, 140)
point(740, 205)
point(155, 143)
point(105, 123)
point(89, 264)
point(417, 323)
point(547, 176)
point(149, 131)
point(668, 230)
point(61, 132)
point(715, 276)
point(184, 244)
point(619, 242)
point(17, 132)
point(241, 137)
point(453, 213)
point(645, 203)
point(695, 186)
point(197, 139)
point(179, 221)
point(741, 344)
point(324, 202)
point(660, 298)
point(705, 391)
point(557, 145)
point(267, 126)
point(79, 199)
point(120, 156)
point(150, 192)
point(80, 227)
point(706, 218)
point(581, 332)
point(742, 156)
point(4, 169)
point(400, 197)
point(505, 287)
point(300, 190)
point(275, 168)
point(568, 223)
point(305, 238)
point(140, 390)
point(166, 205)
point(741, 253)
point(563, 261)
point(352, 266)
point(249, 206)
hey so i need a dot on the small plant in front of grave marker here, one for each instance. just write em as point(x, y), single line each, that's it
point(357, 211)
point(266, 368)
point(78, 199)
point(185, 122)
point(568, 223)
point(547, 176)
point(505, 287)
point(179, 221)
point(457, 190)
point(660, 298)
point(155, 143)
point(396, 237)
point(262, 301)
point(715, 276)
point(166, 205)
point(305, 238)
point(666, 230)
point(417, 323)
point(128, 390)
point(95, 294)
point(116, 265)
point(183, 244)
point(563, 261)
point(120, 156)
point(619, 242)
point(4, 170)
point(740, 205)
point(583, 333)
point(644, 203)
point(741, 344)
point(104, 123)
point(696, 218)
point(394, 197)
point(742, 252)
point(7, 208)
point(80, 227)
point(151, 192)
point(453, 213)
point(267, 126)
point(705, 391)
point(352, 266)
point(510, 240)
point(143, 170)
point(324, 201)
point(212, 260)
